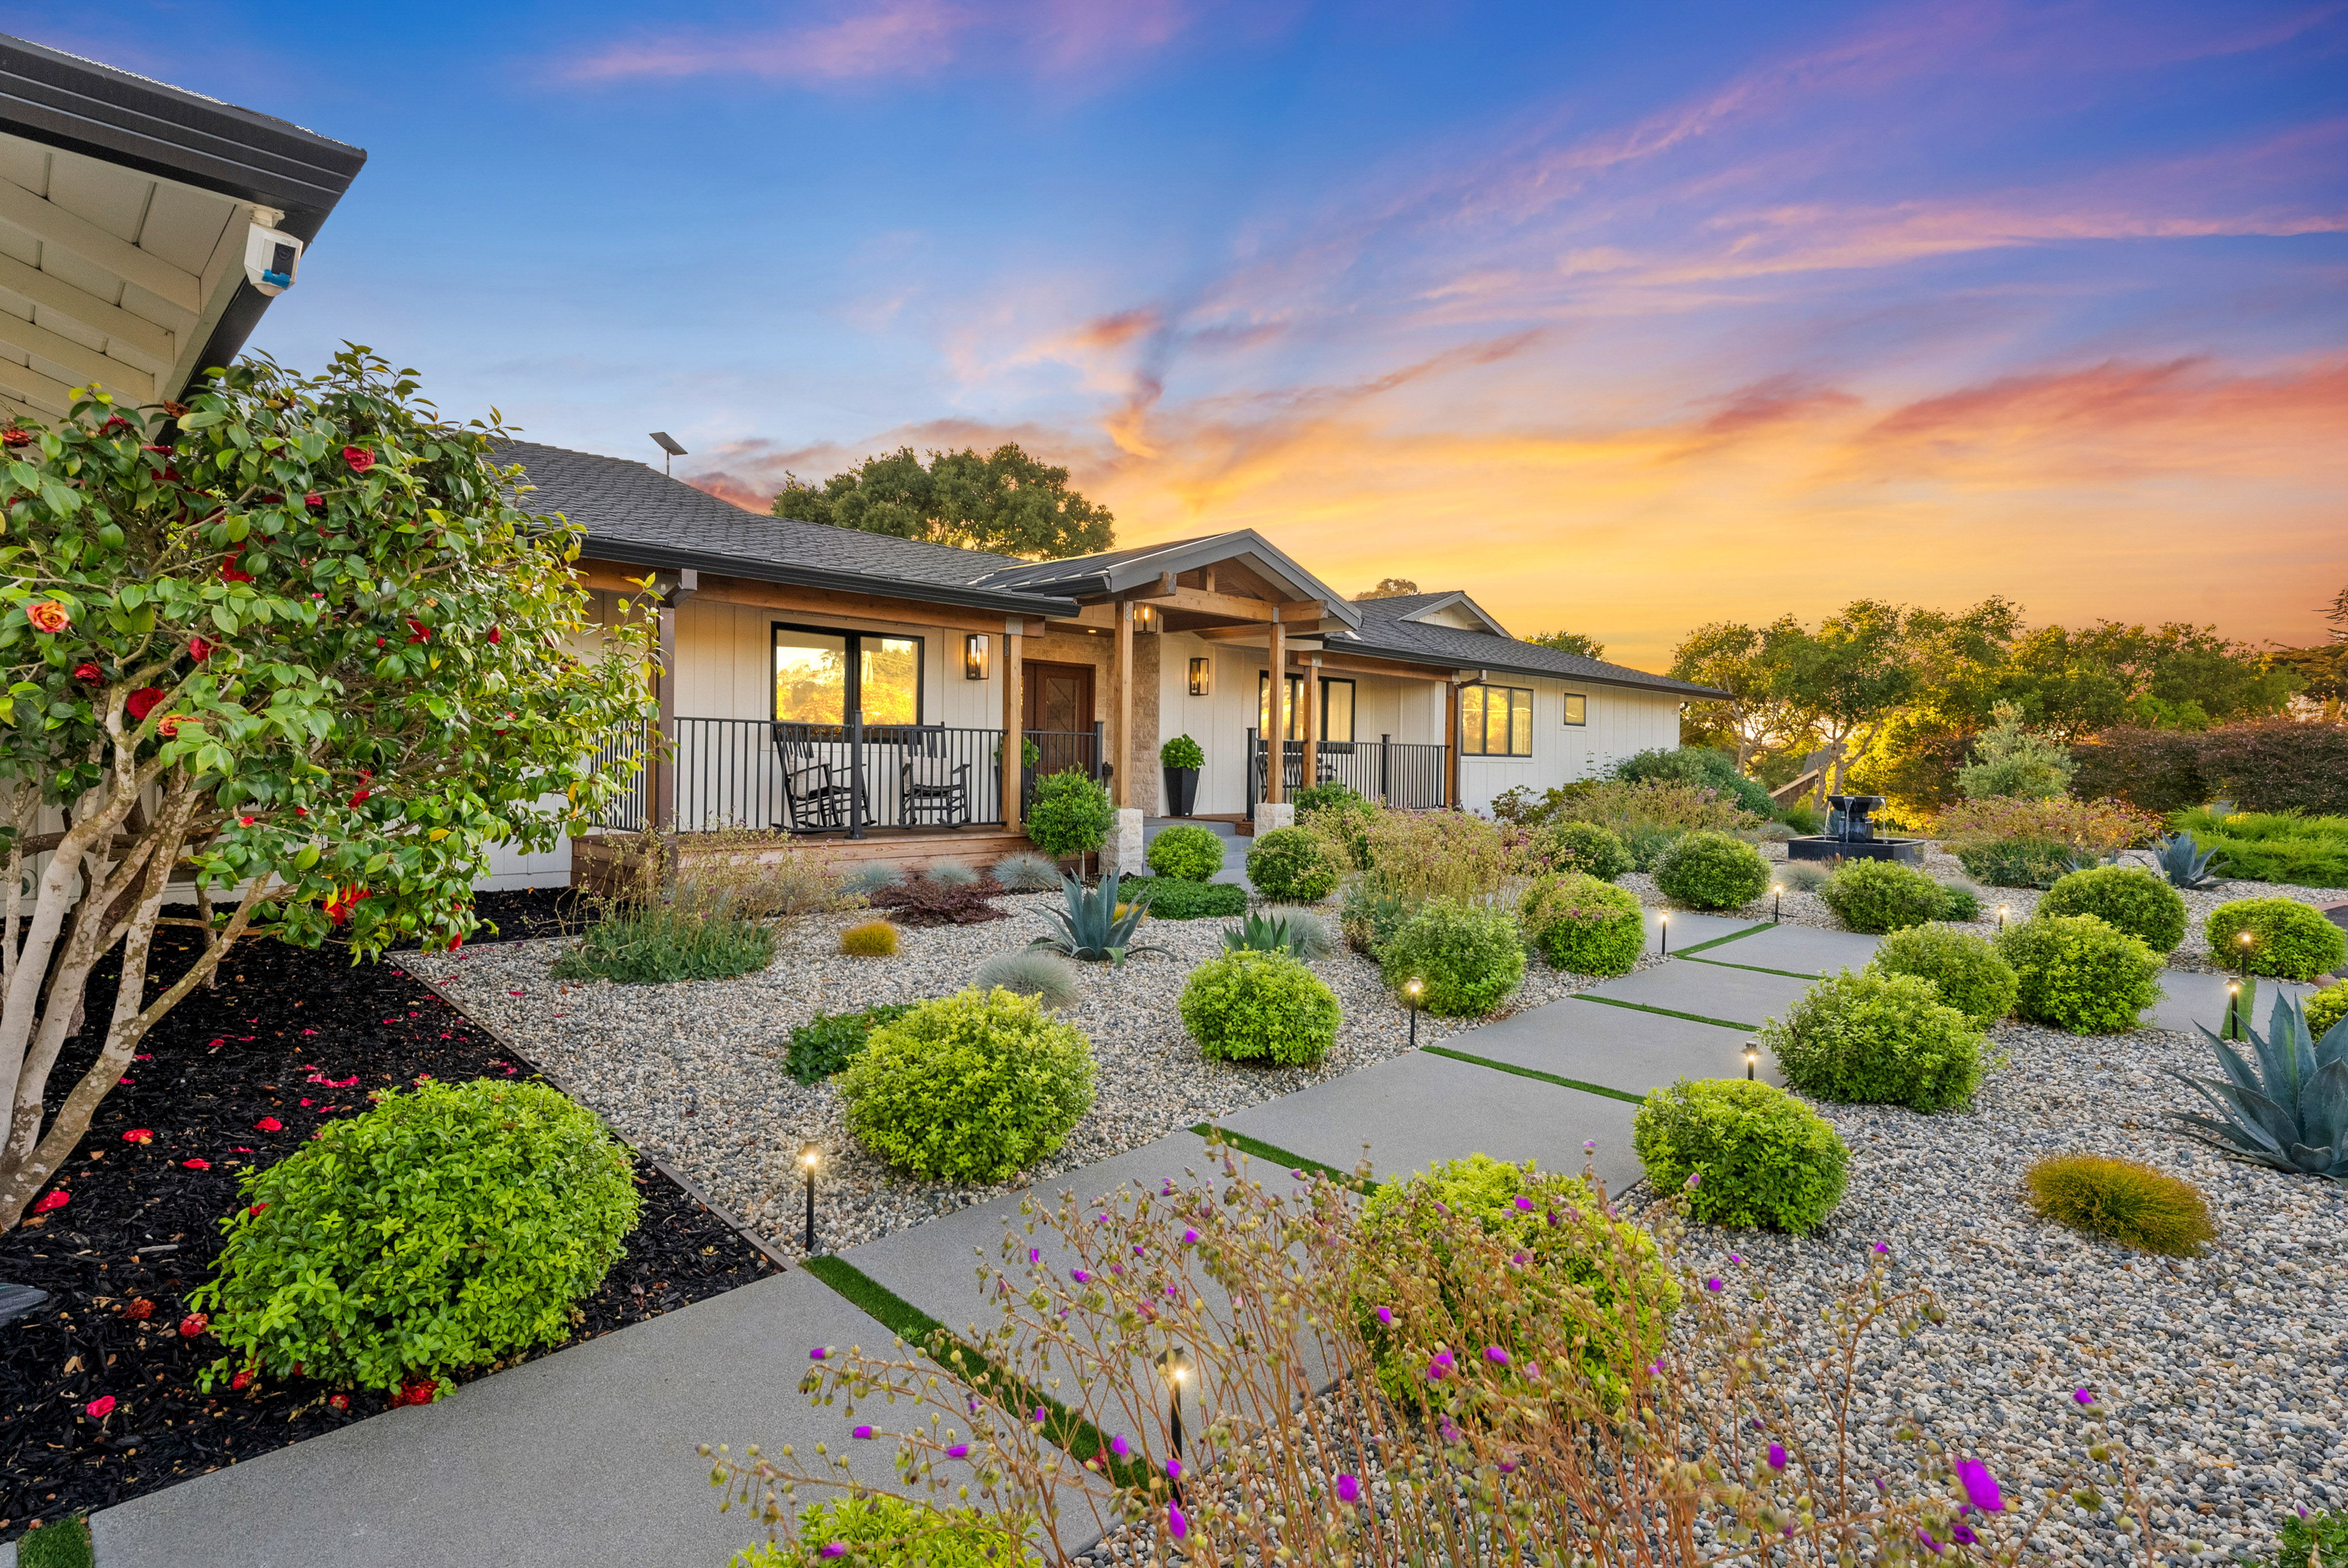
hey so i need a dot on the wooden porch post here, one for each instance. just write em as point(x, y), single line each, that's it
point(1124, 702)
point(665, 743)
point(1311, 772)
point(1014, 741)
point(1451, 744)
point(1275, 734)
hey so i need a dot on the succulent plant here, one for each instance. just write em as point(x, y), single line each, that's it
point(2290, 1111)
point(2183, 861)
point(1299, 935)
point(1094, 927)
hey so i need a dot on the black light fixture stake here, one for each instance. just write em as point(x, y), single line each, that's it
point(1663, 933)
point(1176, 1369)
point(1752, 1060)
point(809, 1157)
point(1411, 1000)
point(1776, 903)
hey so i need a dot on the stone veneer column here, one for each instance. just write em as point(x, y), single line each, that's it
point(1122, 853)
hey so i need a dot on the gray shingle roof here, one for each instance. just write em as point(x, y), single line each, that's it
point(645, 518)
point(1387, 628)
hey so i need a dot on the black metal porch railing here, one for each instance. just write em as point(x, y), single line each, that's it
point(628, 811)
point(1407, 775)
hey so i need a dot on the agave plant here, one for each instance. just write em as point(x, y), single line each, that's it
point(2291, 1110)
point(2183, 861)
point(1096, 927)
point(1300, 935)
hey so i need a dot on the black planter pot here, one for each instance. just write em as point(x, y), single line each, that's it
point(1182, 790)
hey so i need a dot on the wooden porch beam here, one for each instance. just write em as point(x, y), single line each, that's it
point(1357, 664)
point(1121, 780)
point(1275, 734)
point(1310, 774)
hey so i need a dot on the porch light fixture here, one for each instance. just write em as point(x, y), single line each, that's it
point(1145, 618)
point(809, 1157)
point(1203, 680)
point(974, 656)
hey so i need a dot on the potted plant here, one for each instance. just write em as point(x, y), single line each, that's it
point(1182, 759)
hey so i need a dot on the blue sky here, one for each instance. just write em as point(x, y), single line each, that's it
point(1622, 317)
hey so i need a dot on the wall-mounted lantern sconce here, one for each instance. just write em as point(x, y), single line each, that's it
point(1145, 618)
point(1201, 680)
point(974, 656)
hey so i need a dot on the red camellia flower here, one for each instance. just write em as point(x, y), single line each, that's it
point(113, 422)
point(89, 671)
point(15, 435)
point(270, 1124)
point(197, 1165)
point(359, 458)
point(139, 1136)
point(229, 571)
point(48, 616)
point(339, 1401)
point(169, 724)
point(100, 1407)
point(416, 631)
point(417, 1391)
point(193, 1323)
point(242, 1381)
point(141, 702)
point(198, 649)
point(255, 1210)
point(343, 900)
point(51, 1201)
point(496, 636)
point(140, 1310)
point(244, 822)
point(359, 795)
point(313, 501)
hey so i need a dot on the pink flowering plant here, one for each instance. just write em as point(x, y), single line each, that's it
point(302, 638)
point(1732, 1436)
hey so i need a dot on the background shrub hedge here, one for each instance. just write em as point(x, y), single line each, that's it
point(2270, 846)
point(1292, 865)
point(1761, 1156)
point(1172, 899)
point(1254, 1006)
point(2128, 1201)
point(974, 1087)
point(1571, 1245)
point(2288, 938)
point(2263, 765)
point(1703, 765)
point(1712, 871)
point(1878, 1040)
point(2076, 972)
point(1583, 926)
point(2127, 897)
point(446, 1228)
point(1964, 968)
point(2326, 1007)
point(2016, 861)
point(1071, 815)
point(1583, 847)
point(1880, 896)
point(1468, 957)
point(1190, 854)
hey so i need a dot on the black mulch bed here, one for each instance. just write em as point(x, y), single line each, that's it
point(141, 1226)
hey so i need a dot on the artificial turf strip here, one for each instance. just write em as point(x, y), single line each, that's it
point(64, 1544)
point(1535, 1073)
point(1757, 969)
point(1670, 1012)
point(1732, 936)
point(1066, 1430)
point(1280, 1156)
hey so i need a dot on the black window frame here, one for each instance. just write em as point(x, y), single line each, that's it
point(1571, 721)
point(1482, 730)
point(852, 701)
point(1263, 691)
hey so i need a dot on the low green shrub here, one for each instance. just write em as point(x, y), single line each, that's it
point(1253, 1005)
point(1878, 1040)
point(1582, 925)
point(2326, 1007)
point(1880, 896)
point(823, 1045)
point(2273, 846)
point(2312, 1541)
point(1605, 1276)
point(1583, 847)
point(2016, 861)
point(1186, 853)
point(1030, 972)
point(974, 1087)
point(1469, 958)
point(2288, 939)
point(870, 939)
point(1703, 766)
point(1959, 902)
point(1712, 871)
point(1965, 969)
point(652, 944)
point(443, 1229)
point(1291, 865)
point(2127, 897)
point(1802, 817)
point(1070, 815)
point(1314, 799)
point(2125, 1200)
point(1172, 899)
point(1646, 843)
point(1760, 1157)
point(878, 1531)
point(2076, 972)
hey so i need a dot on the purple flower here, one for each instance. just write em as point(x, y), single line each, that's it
point(2084, 1395)
point(834, 1549)
point(1526, 1204)
point(817, 1354)
point(1079, 1275)
point(1035, 1254)
point(1965, 1536)
point(1508, 1467)
point(1120, 1447)
point(1189, 1236)
point(1981, 1487)
point(1925, 1536)
point(1696, 1180)
point(1173, 1470)
point(1042, 1415)
point(1588, 1144)
point(1883, 1249)
point(1495, 1354)
point(1385, 1316)
point(1298, 1174)
point(960, 1450)
point(1777, 1456)
point(1734, 1259)
point(1654, 1369)
point(1176, 1525)
point(1519, 1258)
point(1348, 1489)
point(1713, 1283)
point(1440, 1367)
point(865, 1433)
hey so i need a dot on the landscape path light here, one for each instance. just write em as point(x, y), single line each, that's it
point(1776, 903)
point(1175, 1363)
point(2233, 1016)
point(1663, 930)
point(1410, 993)
point(1752, 1061)
point(2000, 919)
point(810, 1158)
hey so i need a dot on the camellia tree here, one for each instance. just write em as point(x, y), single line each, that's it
point(300, 641)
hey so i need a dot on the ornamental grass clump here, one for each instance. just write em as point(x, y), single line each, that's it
point(1583, 926)
point(1758, 1156)
point(1255, 1006)
point(2127, 897)
point(442, 1230)
point(1712, 871)
point(974, 1087)
point(1516, 1444)
point(1880, 896)
point(1605, 1278)
point(653, 944)
point(2076, 972)
point(1964, 968)
point(1031, 972)
point(1878, 1040)
point(2123, 1201)
point(870, 939)
point(1469, 958)
point(2288, 938)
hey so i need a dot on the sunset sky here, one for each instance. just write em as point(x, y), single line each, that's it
point(1622, 317)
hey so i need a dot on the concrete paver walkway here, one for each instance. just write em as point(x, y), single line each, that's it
point(1797, 949)
point(1614, 1047)
point(1731, 996)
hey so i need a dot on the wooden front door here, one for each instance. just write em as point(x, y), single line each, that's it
point(1055, 704)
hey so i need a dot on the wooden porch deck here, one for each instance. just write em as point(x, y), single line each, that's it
point(605, 862)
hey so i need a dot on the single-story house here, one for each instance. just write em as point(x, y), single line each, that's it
point(900, 699)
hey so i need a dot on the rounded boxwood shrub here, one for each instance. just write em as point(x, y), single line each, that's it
point(1712, 871)
point(1291, 865)
point(2078, 973)
point(2326, 1007)
point(1255, 1006)
point(1071, 815)
point(1760, 1157)
point(1468, 957)
point(1964, 969)
point(1959, 902)
point(2126, 1200)
point(974, 1087)
point(1878, 1040)
point(1583, 846)
point(1880, 896)
point(1602, 1278)
point(1187, 854)
point(2288, 938)
point(878, 1529)
point(2127, 897)
point(1582, 925)
point(443, 1229)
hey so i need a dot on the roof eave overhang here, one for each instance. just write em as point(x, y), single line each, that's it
point(629, 553)
point(1429, 662)
point(1144, 569)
